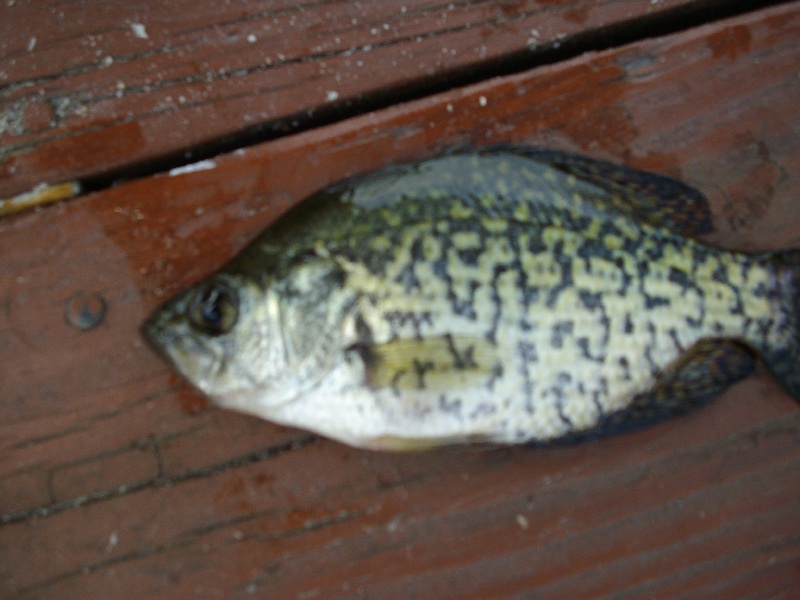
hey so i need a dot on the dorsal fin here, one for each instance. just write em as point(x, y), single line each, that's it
point(522, 183)
point(655, 199)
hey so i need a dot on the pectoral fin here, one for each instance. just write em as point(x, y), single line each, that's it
point(439, 364)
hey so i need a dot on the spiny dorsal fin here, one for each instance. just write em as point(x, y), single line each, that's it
point(658, 200)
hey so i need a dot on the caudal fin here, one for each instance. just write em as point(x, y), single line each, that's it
point(783, 359)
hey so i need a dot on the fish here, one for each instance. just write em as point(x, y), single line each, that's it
point(498, 295)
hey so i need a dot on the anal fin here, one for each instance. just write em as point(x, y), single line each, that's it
point(699, 375)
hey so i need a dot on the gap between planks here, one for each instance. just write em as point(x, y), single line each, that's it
point(640, 28)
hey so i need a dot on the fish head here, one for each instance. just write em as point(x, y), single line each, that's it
point(251, 342)
point(223, 335)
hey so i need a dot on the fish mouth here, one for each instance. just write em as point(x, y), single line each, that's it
point(167, 342)
point(152, 333)
point(162, 329)
point(182, 354)
point(160, 339)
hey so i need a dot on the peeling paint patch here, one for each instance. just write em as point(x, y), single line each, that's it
point(38, 196)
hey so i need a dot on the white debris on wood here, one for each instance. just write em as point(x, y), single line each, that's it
point(203, 165)
point(139, 31)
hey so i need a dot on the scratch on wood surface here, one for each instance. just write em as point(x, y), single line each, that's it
point(192, 536)
point(157, 481)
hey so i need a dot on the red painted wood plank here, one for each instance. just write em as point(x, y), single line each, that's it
point(115, 480)
point(92, 86)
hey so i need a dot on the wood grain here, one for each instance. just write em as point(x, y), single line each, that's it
point(116, 480)
point(102, 85)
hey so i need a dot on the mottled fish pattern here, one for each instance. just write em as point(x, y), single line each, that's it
point(506, 295)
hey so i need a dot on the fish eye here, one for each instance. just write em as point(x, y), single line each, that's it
point(214, 308)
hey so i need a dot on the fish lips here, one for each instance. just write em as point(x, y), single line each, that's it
point(169, 335)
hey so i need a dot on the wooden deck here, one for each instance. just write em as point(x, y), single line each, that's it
point(190, 126)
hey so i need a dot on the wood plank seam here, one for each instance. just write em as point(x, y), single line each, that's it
point(616, 34)
point(606, 37)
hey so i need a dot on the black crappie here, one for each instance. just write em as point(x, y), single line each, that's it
point(506, 295)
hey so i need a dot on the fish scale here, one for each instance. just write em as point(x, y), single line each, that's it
point(555, 404)
point(500, 295)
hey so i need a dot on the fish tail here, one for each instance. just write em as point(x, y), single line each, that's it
point(783, 358)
